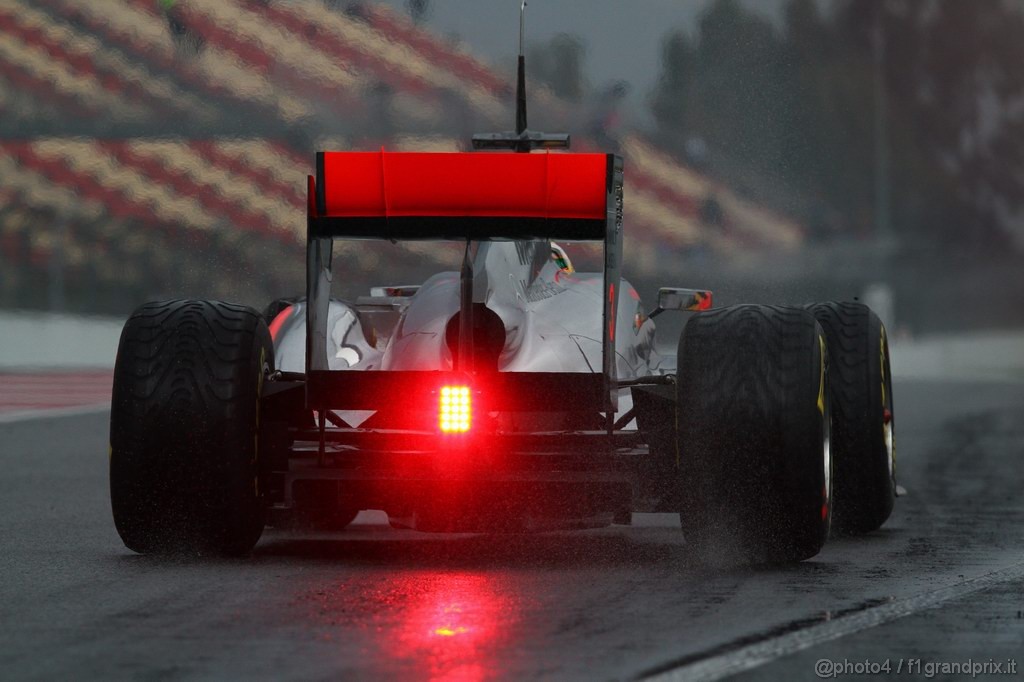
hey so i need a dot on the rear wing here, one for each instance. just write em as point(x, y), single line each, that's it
point(481, 196)
point(458, 196)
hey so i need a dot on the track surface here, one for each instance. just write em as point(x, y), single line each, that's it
point(372, 603)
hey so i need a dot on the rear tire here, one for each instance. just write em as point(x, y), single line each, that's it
point(752, 434)
point(183, 428)
point(863, 422)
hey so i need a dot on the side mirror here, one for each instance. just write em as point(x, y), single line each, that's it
point(681, 299)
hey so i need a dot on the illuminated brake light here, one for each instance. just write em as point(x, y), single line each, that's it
point(455, 410)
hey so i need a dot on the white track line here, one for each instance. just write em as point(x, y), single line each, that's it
point(27, 415)
point(745, 657)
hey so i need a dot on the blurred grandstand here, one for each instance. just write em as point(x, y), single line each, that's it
point(153, 148)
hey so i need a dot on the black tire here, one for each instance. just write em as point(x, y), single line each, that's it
point(863, 425)
point(752, 433)
point(183, 428)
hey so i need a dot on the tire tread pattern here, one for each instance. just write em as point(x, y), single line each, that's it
point(184, 416)
point(750, 434)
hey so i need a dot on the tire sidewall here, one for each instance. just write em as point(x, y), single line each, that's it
point(244, 491)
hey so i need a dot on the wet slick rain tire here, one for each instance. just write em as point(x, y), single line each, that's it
point(183, 428)
point(752, 428)
point(862, 430)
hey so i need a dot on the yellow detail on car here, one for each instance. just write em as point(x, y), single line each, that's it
point(821, 380)
point(256, 437)
point(881, 364)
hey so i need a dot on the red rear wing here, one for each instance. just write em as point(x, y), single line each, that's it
point(481, 196)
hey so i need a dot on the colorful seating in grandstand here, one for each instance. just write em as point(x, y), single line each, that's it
point(278, 64)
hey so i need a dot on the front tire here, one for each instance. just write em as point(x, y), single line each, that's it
point(863, 437)
point(184, 428)
point(753, 435)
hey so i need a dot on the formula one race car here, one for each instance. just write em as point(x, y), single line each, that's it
point(516, 394)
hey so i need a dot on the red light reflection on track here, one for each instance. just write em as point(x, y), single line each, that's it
point(453, 624)
point(447, 624)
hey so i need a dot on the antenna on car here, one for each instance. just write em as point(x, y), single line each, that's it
point(522, 140)
point(521, 75)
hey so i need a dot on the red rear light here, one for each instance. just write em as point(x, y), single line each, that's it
point(455, 410)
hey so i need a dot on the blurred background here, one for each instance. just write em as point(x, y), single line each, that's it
point(775, 151)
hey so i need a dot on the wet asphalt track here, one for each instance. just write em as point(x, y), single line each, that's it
point(942, 582)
